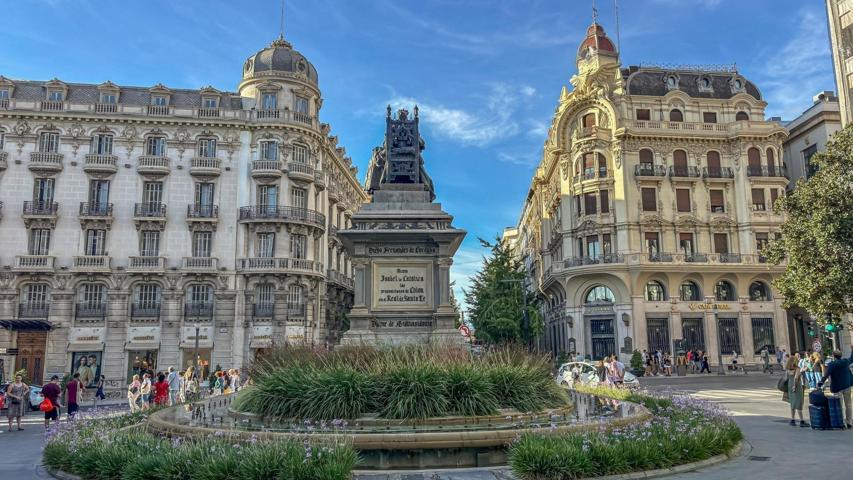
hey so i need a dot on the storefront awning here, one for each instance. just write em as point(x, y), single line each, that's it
point(86, 347)
point(141, 346)
point(24, 324)
point(260, 343)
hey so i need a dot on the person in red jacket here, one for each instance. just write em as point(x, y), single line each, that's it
point(51, 392)
point(161, 391)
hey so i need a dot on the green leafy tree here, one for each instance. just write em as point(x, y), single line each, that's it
point(497, 297)
point(817, 236)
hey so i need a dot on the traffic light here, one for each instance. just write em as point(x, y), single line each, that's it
point(830, 327)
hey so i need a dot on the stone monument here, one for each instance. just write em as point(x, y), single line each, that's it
point(401, 245)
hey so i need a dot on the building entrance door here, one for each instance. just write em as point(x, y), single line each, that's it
point(31, 347)
point(603, 338)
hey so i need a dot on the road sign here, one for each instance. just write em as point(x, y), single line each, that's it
point(465, 331)
point(816, 346)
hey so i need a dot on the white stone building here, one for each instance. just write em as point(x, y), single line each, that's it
point(809, 134)
point(144, 227)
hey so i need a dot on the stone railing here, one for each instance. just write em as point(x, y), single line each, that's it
point(34, 262)
point(146, 264)
point(92, 262)
point(200, 263)
point(278, 264)
point(285, 213)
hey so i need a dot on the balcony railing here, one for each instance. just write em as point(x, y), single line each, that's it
point(299, 167)
point(271, 264)
point(763, 171)
point(660, 257)
point(280, 212)
point(48, 161)
point(696, 258)
point(730, 258)
point(106, 108)
point(204, 310)
point(52, 105)
point(267, 167)
point(158, 110)
point(684, 172)
point(92, 262)
point(594, 260)
point(41, 208)
point(33, 310)
point(149, 209)
point(146, 263)
point(34, 262)
point(335, 276)
point(648, 170)
point(88, 209)
point(263, 310)
point(208, 113)
point(100, 162)
point(202, 211)
point(592, 175)
point(4, 103)
point(205, 165)
point(200, 263)
point(145, 310)
point(153, 164)
point(722, 172)
point(90, 310)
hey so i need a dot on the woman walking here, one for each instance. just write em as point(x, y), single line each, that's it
point(133, 393)
point(795, 392)
point(145, 391)
point(16, 394)
point(705, 366)
point(161, 391)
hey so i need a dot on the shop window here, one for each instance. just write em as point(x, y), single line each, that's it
point(655, 291)
point(690, 292)
point(599, 294)
point(759, 292)
point(724, 291)
point(729, 336)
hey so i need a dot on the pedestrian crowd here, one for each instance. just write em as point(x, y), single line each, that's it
point(173, 387)
point(657, 363)
point(807, 372)
point(53, 394)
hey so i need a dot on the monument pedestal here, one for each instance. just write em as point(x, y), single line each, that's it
point(401, 245)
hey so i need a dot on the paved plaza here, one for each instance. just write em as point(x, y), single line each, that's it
point(773, 448)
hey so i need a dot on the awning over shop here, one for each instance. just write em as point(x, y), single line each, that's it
point(24, 324)
point(260, 343)
point(141, 346)
point(86, 347)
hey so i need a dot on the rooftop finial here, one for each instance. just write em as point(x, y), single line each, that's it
point(281, 23)
point(595, 22)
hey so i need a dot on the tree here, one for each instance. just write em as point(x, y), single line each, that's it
point(817, 235)
point(497, 297)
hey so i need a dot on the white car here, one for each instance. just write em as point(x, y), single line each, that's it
point(584, 373)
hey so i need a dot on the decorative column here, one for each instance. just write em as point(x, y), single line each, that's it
point(444, 283)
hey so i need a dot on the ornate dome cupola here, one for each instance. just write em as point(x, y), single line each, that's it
point(279, 60)
point(596, 43)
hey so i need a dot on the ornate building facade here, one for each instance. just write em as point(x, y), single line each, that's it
point(840, 15)
point(643, 223)
point(147, 227)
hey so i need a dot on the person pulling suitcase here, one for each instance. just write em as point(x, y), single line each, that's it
point(840, 383)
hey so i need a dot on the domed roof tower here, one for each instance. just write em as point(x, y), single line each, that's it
point(281, 60)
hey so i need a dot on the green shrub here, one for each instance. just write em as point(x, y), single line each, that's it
point(416, 391)
point(469, 392)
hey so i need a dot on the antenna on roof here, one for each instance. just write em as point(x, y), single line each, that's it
point(618, 37)
point(595, 23)
point(281, 23)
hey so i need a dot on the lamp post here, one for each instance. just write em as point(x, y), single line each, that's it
point(195, 352)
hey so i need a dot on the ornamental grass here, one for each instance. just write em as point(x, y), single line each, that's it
point(408, 382)
point(683, 430)
point(112, 447)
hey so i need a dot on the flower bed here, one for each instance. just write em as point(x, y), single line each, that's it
point(118, 447)
point(684, 430)
point(398, 383)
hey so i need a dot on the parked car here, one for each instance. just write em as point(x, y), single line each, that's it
point(585, 373)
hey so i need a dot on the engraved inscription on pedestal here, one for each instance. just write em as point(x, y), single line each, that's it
point(401, 286)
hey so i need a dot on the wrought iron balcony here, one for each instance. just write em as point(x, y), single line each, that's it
point(722, 172)
point(144, 310)
point(88, 209)
point(263, 310)
point(684, 172)
point(41, 208)
point(695, 258)
point(91, 310)
point(730, 258)
point(33, 310)
point(149, 210)
point(649, 170)
point(660, 257)
point(283, 213)
point(764, 171)
point(200, 211)
point(199, 310)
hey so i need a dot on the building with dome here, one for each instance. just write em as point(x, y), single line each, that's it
point(644, 220)
point(148, 227)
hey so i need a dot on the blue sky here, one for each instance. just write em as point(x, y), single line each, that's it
point(486, 73)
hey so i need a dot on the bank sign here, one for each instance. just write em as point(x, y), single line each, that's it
point(708, 306)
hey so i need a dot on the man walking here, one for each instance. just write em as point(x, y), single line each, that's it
point(73, 392)
point(174, 381)
point(840, 382)
point(51, 392)
point(765, 360)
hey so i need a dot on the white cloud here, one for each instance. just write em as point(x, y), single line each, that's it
point(530, 159)
point(496, 121)
point(800, 68)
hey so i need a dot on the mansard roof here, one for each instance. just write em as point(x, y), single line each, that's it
point(652, 81)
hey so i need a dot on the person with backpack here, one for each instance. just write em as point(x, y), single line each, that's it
point(840, 382)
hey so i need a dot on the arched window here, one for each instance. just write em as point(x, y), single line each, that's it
point(690, 292)
point(771, 161)
point(753, 159)
point(679, 162)
point(599, 294)
point(588, 120)
point(146, 300)
point(713, 159)
point(264, 300)
point(647, 158)
point(724, 291)
point(655, 291)
point(199, 301)
point(602, 166)
point(758, 292)
point(675, 115)
point(741, 116)
point(35, 302)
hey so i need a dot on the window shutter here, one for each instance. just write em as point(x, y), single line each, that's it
point(644, 114)
point(682, 199)
point(713, 161)
point(650, 203)
point(605, 201)
point(679, 161)
point(721, 243)
point(717, 202)
point(589, 203)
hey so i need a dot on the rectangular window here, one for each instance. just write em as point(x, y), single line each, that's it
point(203, 194)
point(39, 241)
point(301, 105)
point(264, 294)
point(266, 245)
point(207, 148)
point(810, 168)
point(605, 201)
point(54, 95)
point(152, 193)
point(644, 114)
point(300, 154)
point(774, 195)
point(592, 248)
point(149, 243)
point(650, 202)
point(92, 295)
point(294, 296)
point(758, 199)
point(43, 192)
point(718, 205)
point(96, 242)
point(693, 333)
point(589, 203)
point(652, 242)
point(102, 144)
point(49, 142)
point(268, 195)
point(709, 117)
point(685, 243)
point(155, 146)
point(298, 197)
point(4, 94)
point(729, 336)
point(578, 205)
point(202, 244)
point(2, 140)
point(209, 102)
point(37, 294)
point(657, 330)
point(268, 101)
point(200, 294)
point(761, 240)
point(99, 194)
point(298, 246)
point(606, 246)
point(148, 296)
point(682, 199)
point(762, 335)
point(269, 151)
point(108, 98)
point(721, 243)
point(159, 101)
